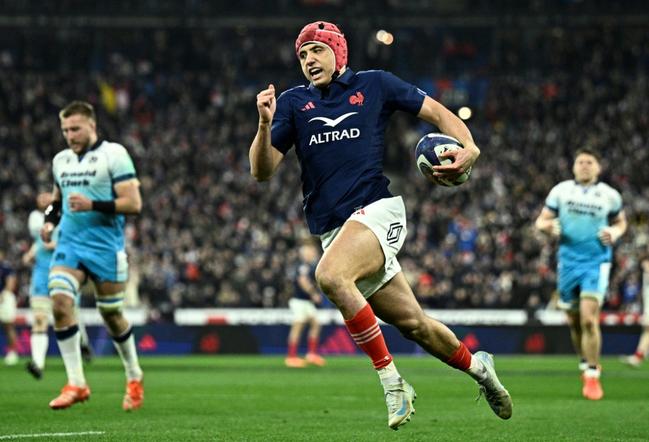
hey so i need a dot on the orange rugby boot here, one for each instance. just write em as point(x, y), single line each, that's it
point(592, 388)
point(134, 395)
point(294, 362)
point(315, 359)
point(69, 396)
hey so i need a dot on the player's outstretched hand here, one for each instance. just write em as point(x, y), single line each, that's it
point(79, 203)
point(266, 104)
point(463, 160)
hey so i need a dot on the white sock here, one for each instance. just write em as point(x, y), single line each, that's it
point(39, 342)
point(592, 373)
point(84, 335)
point(128, 353)
point(477, 369)
point(71, 354)
point(389, 374)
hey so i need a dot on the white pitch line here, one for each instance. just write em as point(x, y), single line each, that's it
point(24, 436)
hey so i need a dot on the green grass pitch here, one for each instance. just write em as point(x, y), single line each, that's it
point(224, 398)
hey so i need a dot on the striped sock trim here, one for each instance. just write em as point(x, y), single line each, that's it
point(124, 336)
point(367, 335)
point(112, 302)
point(62, 335)
point(461, 359)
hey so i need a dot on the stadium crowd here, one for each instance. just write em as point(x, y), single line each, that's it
point(182, 102)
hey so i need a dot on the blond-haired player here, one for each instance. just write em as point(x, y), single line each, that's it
point(95, 185)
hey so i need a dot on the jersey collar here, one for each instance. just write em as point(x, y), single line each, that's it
point(91, 148)
point(585, 187)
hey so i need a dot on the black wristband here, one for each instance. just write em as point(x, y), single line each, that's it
point(53, 212)
point(104, 206)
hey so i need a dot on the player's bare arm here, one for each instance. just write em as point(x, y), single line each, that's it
point(128, 201)
point(548, 223)
point(28, 257)
point(435, 113)
point(609, 235)
point(52, 215)
point(264, 158)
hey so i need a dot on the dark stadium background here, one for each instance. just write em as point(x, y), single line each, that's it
point(175, 81)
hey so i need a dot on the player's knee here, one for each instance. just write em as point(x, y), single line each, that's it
point(589, 324)
point(62, 308)
point(331, 282)
point(40, 322)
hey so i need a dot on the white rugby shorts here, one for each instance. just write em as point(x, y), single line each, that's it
point(386, 218)
point(7, 307)
point(302, 309)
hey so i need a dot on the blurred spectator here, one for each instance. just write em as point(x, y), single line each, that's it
point(180, 100)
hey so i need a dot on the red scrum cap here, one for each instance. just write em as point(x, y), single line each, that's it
point(327, 34)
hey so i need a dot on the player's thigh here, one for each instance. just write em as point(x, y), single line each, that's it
point(38, 283)
point(66, 259)
point(568, 284)
point(109, 288)
point(594, 282)
point(105, 264)
point(355, 253)
point(39, 297)
point(395, 303)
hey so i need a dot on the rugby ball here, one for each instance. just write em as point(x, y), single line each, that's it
point(427, 154)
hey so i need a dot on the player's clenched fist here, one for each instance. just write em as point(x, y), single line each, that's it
point(79, 203)
point(266, 104)
point(46, 232)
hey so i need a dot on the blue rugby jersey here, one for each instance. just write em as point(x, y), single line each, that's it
point(583, 211)
point(92, 174)
point(5, 272)
point(308, 270)
point(338, 134)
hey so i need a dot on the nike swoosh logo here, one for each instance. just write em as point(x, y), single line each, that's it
point(404, 408)
point(333, 123)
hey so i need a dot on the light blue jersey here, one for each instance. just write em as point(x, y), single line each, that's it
point(92, 241)
point(583, 211)
point(92, 174)
point(584, 262)
point(42, 256)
